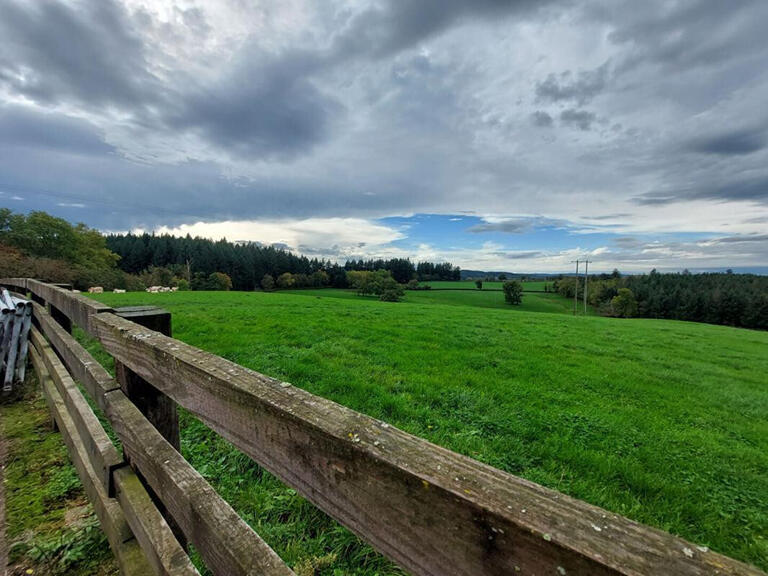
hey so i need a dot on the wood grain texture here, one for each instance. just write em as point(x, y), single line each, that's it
point(79, 362)
point(151, 530)
point(160, 546)
point(431, 510)
point(227, 544)
point(102, 454)
point(108, 511)
point(156, 406)
point(78, 308)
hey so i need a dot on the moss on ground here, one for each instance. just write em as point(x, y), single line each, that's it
point(51, 527)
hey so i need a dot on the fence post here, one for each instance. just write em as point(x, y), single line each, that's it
point(159, 409)
point(63, 320)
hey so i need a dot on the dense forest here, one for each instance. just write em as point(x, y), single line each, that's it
point(730, 299)
point(247, 264)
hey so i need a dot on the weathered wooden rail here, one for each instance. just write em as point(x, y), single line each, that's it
point(431, 510)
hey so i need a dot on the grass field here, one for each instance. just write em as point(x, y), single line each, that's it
point(664, 422)
point(532, 301)
point(532, 286)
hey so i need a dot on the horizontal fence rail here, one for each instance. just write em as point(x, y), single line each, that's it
point(433, 511)
point(226, 543)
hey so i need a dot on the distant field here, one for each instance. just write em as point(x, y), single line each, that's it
point(665, 422)
point(535, 286)
point(532, 301)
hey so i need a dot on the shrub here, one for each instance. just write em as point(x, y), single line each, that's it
point(513, 292)
point(624, 304)
point(392, 294)
point(268, 283)
point(286, 280)
point(479, 284)
point(219, 281)
point(182, 284)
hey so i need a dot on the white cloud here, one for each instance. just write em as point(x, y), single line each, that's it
point(327, 237)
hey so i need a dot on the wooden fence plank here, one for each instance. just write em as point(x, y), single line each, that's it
point(103, 455)
point(110, 515)
point(76, 307)
point(227, 544)
point(79, 362)
point(433, 511)
point(150, 528)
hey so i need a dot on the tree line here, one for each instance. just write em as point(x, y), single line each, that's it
point(715, 298)
point(249, 264)
point(49, 248)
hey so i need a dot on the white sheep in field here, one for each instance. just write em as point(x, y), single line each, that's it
point(96, 290)
point(118, 291)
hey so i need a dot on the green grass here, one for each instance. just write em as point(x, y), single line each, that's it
point(42, 488)
point(664, 422)
point(528, 286)
point(532, 301)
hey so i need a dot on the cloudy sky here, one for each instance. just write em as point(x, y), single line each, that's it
point(509, 135)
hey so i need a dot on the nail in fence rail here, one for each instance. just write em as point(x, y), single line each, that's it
point(433, 511)
point(226, 543)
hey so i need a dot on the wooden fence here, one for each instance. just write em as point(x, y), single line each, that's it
point(431, 510)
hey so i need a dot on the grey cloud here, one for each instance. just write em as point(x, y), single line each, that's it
point(627, 242)
point(52, 51)
point(517, 225)
point(24, 127)
point(581, 119)
point(738, 142)
point(740, 239)
point(521, 255)
point(727, 188)
point(616, 216)
point(261, 107)
point(582, 89)
point(681, 36)
point(541, 119)
point(385, 29)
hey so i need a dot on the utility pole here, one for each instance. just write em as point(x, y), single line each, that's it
point(576, 289)
point(586, 282)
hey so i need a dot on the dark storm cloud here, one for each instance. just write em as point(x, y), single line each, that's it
point(731, 143)
point(581, 119)
point(25, 128)
point(581, 89)
point(541, 119)
point(262, 106)
point(52, 52)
